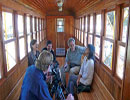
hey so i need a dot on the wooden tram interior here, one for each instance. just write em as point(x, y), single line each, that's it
point(103, 23)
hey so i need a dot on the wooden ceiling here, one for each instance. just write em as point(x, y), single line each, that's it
point(49, 7)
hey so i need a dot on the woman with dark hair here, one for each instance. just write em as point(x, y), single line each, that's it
point(83, 81)
point(33, 55)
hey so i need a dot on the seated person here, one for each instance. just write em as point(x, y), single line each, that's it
point(49, 48)
point(84, 79)
point(73, 59)
point(34, 85)
point(33, 55)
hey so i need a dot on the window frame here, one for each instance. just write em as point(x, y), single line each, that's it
point(24, 34)
point(104, 38)
point(120, 42)
point(98, 35)
point(60, 25)
point(4, 72)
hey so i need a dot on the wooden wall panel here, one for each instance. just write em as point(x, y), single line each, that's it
point(10, 85)
point(51, 29)
point(10, 82)
point(69, 29)
point(111, 84)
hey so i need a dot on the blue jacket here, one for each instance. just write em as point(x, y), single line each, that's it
point(34, 86)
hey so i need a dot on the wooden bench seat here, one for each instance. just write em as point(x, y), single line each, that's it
point(85, 96)
point(99, 91)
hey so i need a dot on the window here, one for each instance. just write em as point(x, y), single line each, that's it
point(10, 46)
point(98, 24)
point(0, 72)
point(107, 53)
point(21, 48)
point(90, 39)
point(20, 25)
point(10, 55)
point(80, 23)
point(7, 25)
point(77, 34)
point(120, 61)
point(125, 24)
point(60, 25)
point(122, 43)
point(110, 24)
point(85, 35)
point(34, 32)
point(97, 46)
point(90, 34)
point(82, 31)
point(85, 39)
point(21, 36)
point(37, 20)
point(40, 30)
point(28, 33)
point(28, 25)
point(29, 40)
point(108, 39)
point(91, 24)
point(86, 25)
point(37, 24)
point(97, 36)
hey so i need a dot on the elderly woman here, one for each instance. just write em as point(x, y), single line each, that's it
point(84, 79)
point(34, 85)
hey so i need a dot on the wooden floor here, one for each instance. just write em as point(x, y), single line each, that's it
point(61, 61)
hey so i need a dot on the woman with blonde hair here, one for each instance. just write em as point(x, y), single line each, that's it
point(34, 85)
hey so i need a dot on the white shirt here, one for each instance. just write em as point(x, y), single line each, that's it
point(87, 70)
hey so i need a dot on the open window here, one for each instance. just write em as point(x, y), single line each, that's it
point(33, 27)
point(28, 33)
point(82, 31)
point(90, 34)
point(9, 39)
point(97, 36)
point(21, 36)
point(122, 43)
point(108, 40)
point(38, 34)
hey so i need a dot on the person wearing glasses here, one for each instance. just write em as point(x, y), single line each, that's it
point(73, 59)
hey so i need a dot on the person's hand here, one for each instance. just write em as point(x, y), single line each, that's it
point(65, 65)
point(70, 97)
point(48, 78)
point(78, 80)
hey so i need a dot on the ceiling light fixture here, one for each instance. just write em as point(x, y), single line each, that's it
point(60, 4)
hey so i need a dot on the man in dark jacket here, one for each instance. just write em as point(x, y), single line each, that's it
point(49, 48)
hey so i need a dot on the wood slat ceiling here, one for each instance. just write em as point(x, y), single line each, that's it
point(50, 6)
